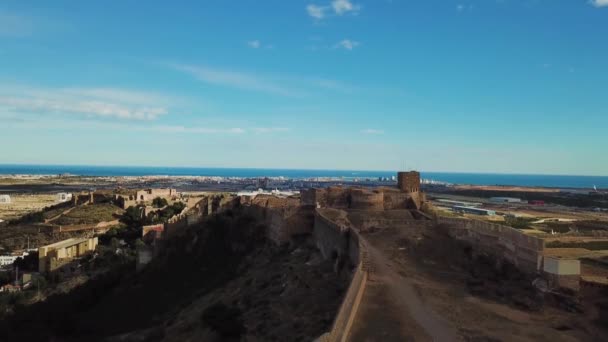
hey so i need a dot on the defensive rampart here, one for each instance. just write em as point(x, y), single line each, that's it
point(336, 239)
point(284, 218)
point(191, 214)
point(524, 251)
point(357, 198)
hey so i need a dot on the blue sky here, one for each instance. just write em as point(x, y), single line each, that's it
point(514, 86)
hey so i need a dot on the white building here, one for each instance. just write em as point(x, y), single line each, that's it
point(9, 259)
point(5, 199)
point(275, 193)
point(63, 197)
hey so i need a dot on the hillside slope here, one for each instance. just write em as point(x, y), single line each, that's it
point(220, 281)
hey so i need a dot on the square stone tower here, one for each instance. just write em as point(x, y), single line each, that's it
point(408, 181)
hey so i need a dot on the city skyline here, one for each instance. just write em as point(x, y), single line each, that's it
point(447, 86)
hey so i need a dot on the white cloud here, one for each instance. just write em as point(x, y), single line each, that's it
point(339, 7)
point(98, 102)
point(599, 3)
point(183, 129)
point(372, 131)
point(235, 79)
point(344, 6)
point(347, 44)
point(317, 12)
point(254, 44)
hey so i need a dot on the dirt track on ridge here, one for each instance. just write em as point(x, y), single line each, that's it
point(409, 303)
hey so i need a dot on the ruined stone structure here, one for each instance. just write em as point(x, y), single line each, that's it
point(408, 181)
point(150, 194)
point(376, 199)
point(195, 211)
point(406, 196)
point(52, 257)
point(142, 196)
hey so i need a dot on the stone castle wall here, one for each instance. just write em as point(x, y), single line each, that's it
point(376, 199)
point(284, 217)
point(366, 199)
point(334, 235)
point(524, 251)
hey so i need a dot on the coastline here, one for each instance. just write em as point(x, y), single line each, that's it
point(144, 173)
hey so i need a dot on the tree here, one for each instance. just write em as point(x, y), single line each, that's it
point(139, 244)
point(114, 243)
point(28, 263)
point(159, 202)
point(132, 217)
point(5, 278)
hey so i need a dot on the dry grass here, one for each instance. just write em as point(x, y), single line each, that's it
point(89, 214)
point(24, 204)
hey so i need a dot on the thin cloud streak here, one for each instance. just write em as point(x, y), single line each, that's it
point(234, 79)
point(96, 102)
point(274, 84)
point(43, 123)
point(183, 129)
point(599, 3)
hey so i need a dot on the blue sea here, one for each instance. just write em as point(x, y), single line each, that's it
point(555, 181)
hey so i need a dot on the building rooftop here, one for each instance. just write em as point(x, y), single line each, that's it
point(65, 243)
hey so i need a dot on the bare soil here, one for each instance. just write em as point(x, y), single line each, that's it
point(440, 290)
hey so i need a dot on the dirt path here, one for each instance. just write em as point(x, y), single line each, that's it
point(403, 295)
point(50, 220)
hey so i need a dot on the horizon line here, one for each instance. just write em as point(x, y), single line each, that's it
point(302, 169)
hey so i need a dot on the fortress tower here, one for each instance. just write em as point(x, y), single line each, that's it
point(408, 181)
